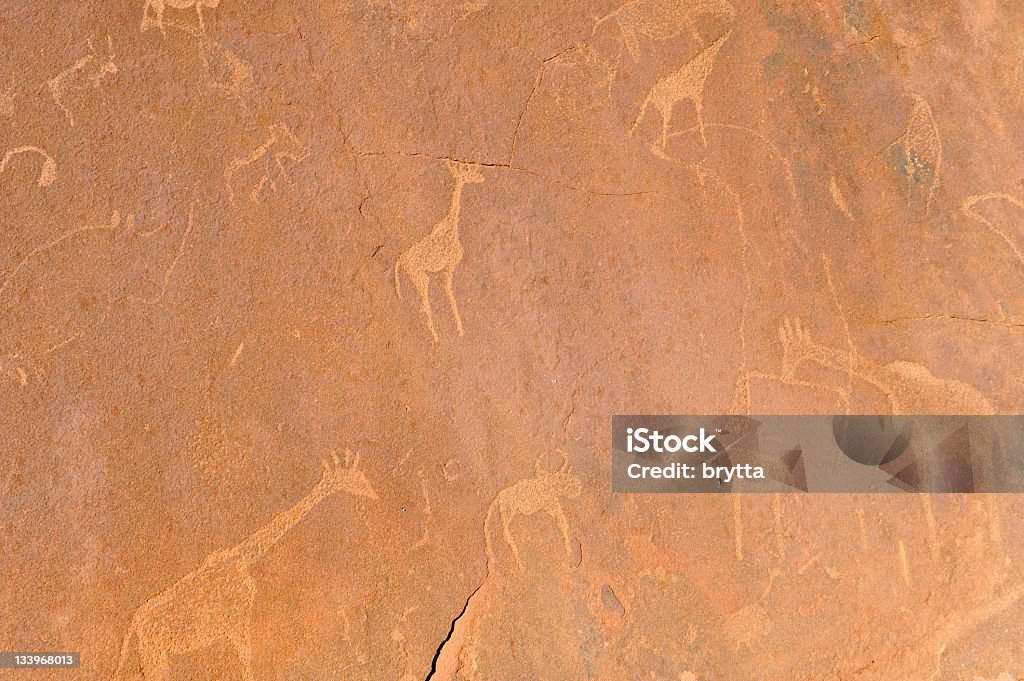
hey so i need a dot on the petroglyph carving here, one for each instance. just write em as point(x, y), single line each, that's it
point(262, 168)
point(48, 172)
point(920, 150)
point(684, 84)
point(838, 198)
point(968, 209)
point(153, 12)
point(215, 602)
point(152, 300)
point(22, 362)
point(225, 70)
point(88, 72)
point(909, 387)
point(527, 497)
point(664, 19)
point(7, 98)
point(439, 250)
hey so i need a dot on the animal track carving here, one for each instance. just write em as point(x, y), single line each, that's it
point(910, 388)
point(527, 497)
point(439, 250)
point(684, 84)
point(267, 159)
point(663, 19)
point(89, 72)
point(48, 172)
point(921, 147)
point(968, 209)
point(153, 12)
point(215, 601)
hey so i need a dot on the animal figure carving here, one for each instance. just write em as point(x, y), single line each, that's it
point(88, 72)
point(684, 84)
point(267, 160)
point(527, 497)
point(663, 19)
point(215, 601)
point(47, 173)
point(909, 387)
point(153, 12)
point(439, 250)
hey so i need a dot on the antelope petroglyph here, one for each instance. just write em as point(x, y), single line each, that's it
point(527, 497)
point(439, 250)
point(663, 19)
point(281, 144)
point(215, 601)
point(88, 72)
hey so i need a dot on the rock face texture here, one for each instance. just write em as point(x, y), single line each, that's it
point(314, 315)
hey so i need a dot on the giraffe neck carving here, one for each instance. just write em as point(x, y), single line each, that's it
point(265, 538)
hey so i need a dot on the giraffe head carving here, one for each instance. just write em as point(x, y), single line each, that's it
point(347, 477)
point(464, 172)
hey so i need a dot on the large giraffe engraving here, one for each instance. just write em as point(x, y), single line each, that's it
point(683, 84)
point(215, 601)
point(439, 250)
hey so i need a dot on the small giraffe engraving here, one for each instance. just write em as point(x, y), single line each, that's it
point(439, 250)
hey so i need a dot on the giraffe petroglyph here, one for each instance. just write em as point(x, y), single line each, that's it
point(543, 492)
point(215, 601)
point(439, 250)
point(88, 72)
point(47, 174)
point(683, 84)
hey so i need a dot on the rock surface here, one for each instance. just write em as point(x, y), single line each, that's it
point(235, 435)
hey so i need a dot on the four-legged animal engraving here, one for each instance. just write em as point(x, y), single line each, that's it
point(87, 72)
point(686, 83)
point(281, 145)
point(663, 19)
point(921, 149)
point(215, 602)
point(47, 173)
point(910, 388)
point(153, 12)
point(439, 250)
point(540, 493)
